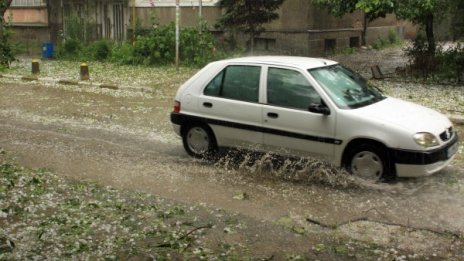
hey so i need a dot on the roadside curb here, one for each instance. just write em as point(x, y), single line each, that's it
point(456, 119)
point(76, 83)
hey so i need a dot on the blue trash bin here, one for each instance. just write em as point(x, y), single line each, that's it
point(47, 50)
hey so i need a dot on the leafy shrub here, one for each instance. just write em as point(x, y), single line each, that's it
point(3, 67)
point(393, 37)
point(451, 63)
point(68, 50)
point(420, 57)
point(198, 48)
point(75, 28)
point(155, 46)
point(6, 51)
point(101, 50)
point(122, 54)
point(158, 47)
point(380, 43)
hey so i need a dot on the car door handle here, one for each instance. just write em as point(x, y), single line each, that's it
point(207, 104)
point(272, 115)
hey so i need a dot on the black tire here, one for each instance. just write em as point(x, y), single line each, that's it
point(370, 162)
point(199, 141)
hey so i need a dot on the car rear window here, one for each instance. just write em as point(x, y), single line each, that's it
point(238, 82)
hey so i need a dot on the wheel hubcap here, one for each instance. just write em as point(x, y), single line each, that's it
point(198, 140)
point(367, 165)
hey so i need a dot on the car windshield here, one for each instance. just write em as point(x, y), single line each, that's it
point(345, 87)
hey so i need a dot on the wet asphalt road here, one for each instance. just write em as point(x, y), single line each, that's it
point(125, 140)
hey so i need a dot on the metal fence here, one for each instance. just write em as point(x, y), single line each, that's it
point(19, 3)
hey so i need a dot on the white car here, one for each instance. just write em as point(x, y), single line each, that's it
point(310, 107)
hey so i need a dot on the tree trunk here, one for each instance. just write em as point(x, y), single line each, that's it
point(364, 30)
point(429, 33)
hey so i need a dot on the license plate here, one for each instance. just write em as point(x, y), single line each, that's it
point(452, 150)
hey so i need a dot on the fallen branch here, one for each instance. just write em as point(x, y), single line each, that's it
point(445, 232)
point(335, 226)
point(185, 235)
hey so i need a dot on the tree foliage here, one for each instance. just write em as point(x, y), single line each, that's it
point(6, 54)
point(424, 13)
point(248, 15)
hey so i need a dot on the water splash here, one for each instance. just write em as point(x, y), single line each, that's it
point(291, 169)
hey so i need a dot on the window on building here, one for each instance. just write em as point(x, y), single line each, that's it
point(329, 45)
point(27, 3)
point(354, 41)
point(265, 43)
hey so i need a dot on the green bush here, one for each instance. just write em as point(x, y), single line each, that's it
point(420, 58)
point(122, 54)
point(155, 46)
point(6, 51)
point(3, 67)
point(380, 43)
point(96, 51)
point(101, 50)
point(451, 63)
point(393, 37)
point(75, 28)
point(69, 50)
point(158, 47)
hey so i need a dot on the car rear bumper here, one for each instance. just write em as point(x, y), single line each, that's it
point(176, 128)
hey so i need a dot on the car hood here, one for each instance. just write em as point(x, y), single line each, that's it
point(406, 115)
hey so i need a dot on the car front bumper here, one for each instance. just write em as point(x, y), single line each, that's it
point(423, 163)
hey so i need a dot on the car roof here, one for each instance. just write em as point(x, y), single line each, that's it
point(295, 61)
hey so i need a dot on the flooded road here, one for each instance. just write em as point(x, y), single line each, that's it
point(124, 139)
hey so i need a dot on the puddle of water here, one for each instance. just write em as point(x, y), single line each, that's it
point(435, 202)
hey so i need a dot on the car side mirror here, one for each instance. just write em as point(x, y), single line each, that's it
point(319, 108)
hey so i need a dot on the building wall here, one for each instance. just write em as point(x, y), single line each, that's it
point(30, 25)
point(22, 15)
point(303, 29)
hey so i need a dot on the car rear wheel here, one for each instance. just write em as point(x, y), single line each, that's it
point(370, 163)
point(199, 141)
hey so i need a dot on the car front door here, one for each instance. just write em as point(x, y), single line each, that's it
point(289, 127)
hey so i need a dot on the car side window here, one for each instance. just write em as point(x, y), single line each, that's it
point(238, 82)
point(214, 87)
point(289, 88)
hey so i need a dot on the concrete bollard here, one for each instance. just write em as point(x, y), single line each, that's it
point(35, 67)
point(85, 76)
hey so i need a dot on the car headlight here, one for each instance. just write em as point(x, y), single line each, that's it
point(426, 139)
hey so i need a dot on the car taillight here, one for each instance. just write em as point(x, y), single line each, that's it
point(176, 106)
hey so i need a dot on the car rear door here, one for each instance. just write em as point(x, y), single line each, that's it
point(288, 125)
point(230, 102)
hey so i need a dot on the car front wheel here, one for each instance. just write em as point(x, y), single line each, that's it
point(370, 163)
point(199, 141)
